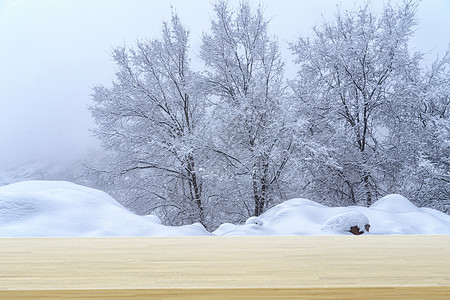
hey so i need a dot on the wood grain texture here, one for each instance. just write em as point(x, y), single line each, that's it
point(338, 267)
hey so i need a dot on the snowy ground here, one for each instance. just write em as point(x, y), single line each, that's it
point(56, 208)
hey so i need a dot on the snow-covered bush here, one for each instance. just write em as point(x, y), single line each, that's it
point(352, 221)
point(255, 220)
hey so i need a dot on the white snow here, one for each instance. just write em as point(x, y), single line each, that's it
point(56, 208)
point(395, 203)
point(254, 220)
point(342, 222)
point(393, 214)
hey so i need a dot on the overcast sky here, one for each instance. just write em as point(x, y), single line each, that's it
point(53, 52)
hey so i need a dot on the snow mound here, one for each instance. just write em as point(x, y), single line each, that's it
point(153, 218)
point(57, 208)
point(305, 217)
point(394, 203)
point(254, 220)
point(298, 202)
point(343, 222)
point(228, 229)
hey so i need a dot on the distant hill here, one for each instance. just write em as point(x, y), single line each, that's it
point(43, 170)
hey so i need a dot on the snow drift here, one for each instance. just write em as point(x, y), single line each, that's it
point(393, 214)
point(56, 208)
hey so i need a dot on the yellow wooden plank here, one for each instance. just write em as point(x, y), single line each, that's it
point(410, 293)
point(226, 267)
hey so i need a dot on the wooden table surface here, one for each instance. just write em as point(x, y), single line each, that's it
point(290, 267)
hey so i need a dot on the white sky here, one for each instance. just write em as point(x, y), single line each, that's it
point(52, 52)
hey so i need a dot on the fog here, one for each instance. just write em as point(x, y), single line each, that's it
point(54, 52)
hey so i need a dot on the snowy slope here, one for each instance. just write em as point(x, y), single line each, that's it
point(56, 208)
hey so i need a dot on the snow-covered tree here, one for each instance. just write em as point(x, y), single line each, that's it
point(428, 182)
point(151, 121)
point(253, 138)
point(356, 77)
point(363, 118)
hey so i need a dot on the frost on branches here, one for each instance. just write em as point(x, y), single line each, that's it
point(365, 95)
point(362, 119)
point(254, 138)
point(152, 121)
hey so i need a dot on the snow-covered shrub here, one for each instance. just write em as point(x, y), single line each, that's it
point(353, 221)
point(254, 220)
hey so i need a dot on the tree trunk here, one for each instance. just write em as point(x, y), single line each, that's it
point(256, 194)
point(260, 185)
point(367, 188)
point(196, 190)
